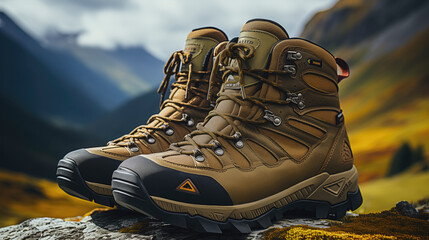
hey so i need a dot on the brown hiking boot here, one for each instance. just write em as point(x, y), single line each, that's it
point(87, 173)
point(276, 141)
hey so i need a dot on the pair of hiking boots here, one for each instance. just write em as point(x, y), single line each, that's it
point(252, 129)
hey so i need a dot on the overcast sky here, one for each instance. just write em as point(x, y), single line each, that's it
point(160, 26)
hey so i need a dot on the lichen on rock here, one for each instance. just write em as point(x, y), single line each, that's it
point(125, 224)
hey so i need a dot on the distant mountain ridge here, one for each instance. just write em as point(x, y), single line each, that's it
point(28, 81)
point(133, 69)
point(49, 93)
point(70, 85)
point(348, 23)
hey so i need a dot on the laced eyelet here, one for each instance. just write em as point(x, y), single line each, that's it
point(293, 55)
point(296, 98)
point(236, 135)
point(188, 120)
point(198, 155)
point(217, 148)
point(169, 131)
point(276, 120)
point(133, 147)
point(151, 140)
point(290, 69)
point(238, 142)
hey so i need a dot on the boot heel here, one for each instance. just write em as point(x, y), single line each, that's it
point(338, 193)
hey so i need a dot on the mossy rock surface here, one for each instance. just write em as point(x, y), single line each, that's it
point(124, 224)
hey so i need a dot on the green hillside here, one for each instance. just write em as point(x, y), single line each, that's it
point(386, 98)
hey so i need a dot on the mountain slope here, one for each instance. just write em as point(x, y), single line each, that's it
point(32, 145)
point(39, 89)
point(385, 100)
point(125, 118)
point(131, 69)
point(71, 86)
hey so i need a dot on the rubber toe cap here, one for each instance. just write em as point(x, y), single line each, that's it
point(164, 182)
point(92, 167)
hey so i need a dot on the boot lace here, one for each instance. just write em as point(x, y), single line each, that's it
point(239, 52)
point(183, 81)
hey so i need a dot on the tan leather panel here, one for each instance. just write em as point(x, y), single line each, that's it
point(143, 147)
point(295, 149)
point(305, 127)
point(237, 158)
point(211, 160)
point(180, 131)
point(320, 83)
point(322, 54)
point(226, 159)
point(262, 152)
point(267, 27)
point(346, 153)
point(209, 33)
point(201, 45)
point(114, 152)
point(161, 139)
point(334, 160)
point(181, 159)
point(324, 115)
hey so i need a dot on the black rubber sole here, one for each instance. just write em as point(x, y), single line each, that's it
point(129, 192)
point(70, 180)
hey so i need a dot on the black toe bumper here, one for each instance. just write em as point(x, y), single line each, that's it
point(80, 166)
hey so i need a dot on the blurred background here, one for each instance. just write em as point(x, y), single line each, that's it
point(77, 74)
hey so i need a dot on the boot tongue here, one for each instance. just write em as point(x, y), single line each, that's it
point(261, 35)
point(198, 43)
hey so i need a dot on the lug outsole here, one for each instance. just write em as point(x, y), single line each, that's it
point(70, 181)
point(129, 192)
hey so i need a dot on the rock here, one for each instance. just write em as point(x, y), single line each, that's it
point(406, 209)
point(124, 224)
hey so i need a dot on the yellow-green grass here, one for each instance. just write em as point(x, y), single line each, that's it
point(385, 103)
point(384, 193)
point(24, 197)
point(375, 143)
point(384, 225)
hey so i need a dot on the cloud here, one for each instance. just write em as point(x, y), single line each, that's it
point(160, 26)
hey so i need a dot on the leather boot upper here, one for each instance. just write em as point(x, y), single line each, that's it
point(277, 121)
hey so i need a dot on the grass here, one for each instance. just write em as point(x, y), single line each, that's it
point(385, 225)
point(26, 197)
point(384, 193)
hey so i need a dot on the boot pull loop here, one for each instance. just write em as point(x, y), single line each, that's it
point(344, 69)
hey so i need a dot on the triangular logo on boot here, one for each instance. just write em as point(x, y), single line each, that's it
point(335, 187)
point(188, 186)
